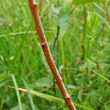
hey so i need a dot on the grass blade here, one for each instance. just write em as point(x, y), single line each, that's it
point(50, 97)
point(104, 20)
point(99, 75)
point(17, 92)
point(29, 95)
point(24, 11)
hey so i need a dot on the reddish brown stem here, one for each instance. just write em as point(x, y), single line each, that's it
point(107, 13)
point(46, 50)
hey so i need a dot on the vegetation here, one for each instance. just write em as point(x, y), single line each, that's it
point(79, 40)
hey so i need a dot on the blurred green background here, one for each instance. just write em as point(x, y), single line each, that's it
point(79, 39)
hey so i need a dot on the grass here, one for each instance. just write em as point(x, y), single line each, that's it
point(17, 92)
point(25, 79)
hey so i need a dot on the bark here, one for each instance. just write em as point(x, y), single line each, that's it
point(46, 50)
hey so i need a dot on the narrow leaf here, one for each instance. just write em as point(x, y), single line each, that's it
point(29, 95)
point(99, 75)
point(79, 2)
point(50, 97)
point(17, 91)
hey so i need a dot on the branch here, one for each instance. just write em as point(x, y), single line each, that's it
point(46, 50)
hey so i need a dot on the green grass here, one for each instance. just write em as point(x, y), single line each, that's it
point(23, 65)
point(17, 92)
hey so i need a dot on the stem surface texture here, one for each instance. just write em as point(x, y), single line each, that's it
point(48, 56)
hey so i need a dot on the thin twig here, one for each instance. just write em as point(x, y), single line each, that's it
point(46, 50)
point(58, 29)
point(106, 9)
point(72, 10)
point(84, 33)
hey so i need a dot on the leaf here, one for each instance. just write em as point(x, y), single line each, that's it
point(104, 20)
point(17, 107)
point(108, 3)
point(47, 1)
point(17, 92)
point(80, 94)
point(92, 93)
point(56, 10)
point(99, 75)
point(50, 97)
point(79, 2)
point(29, 95)
point(63, 20)
point(99, 8)
point(2, 76)
point(44, 81)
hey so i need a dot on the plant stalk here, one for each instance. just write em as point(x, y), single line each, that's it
point(84, 33)
point(46, 50)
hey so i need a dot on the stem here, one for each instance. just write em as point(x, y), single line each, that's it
point(84, 33)
point(58, 29)
point(72, 10)
point(46, 50)
point(106, 9)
